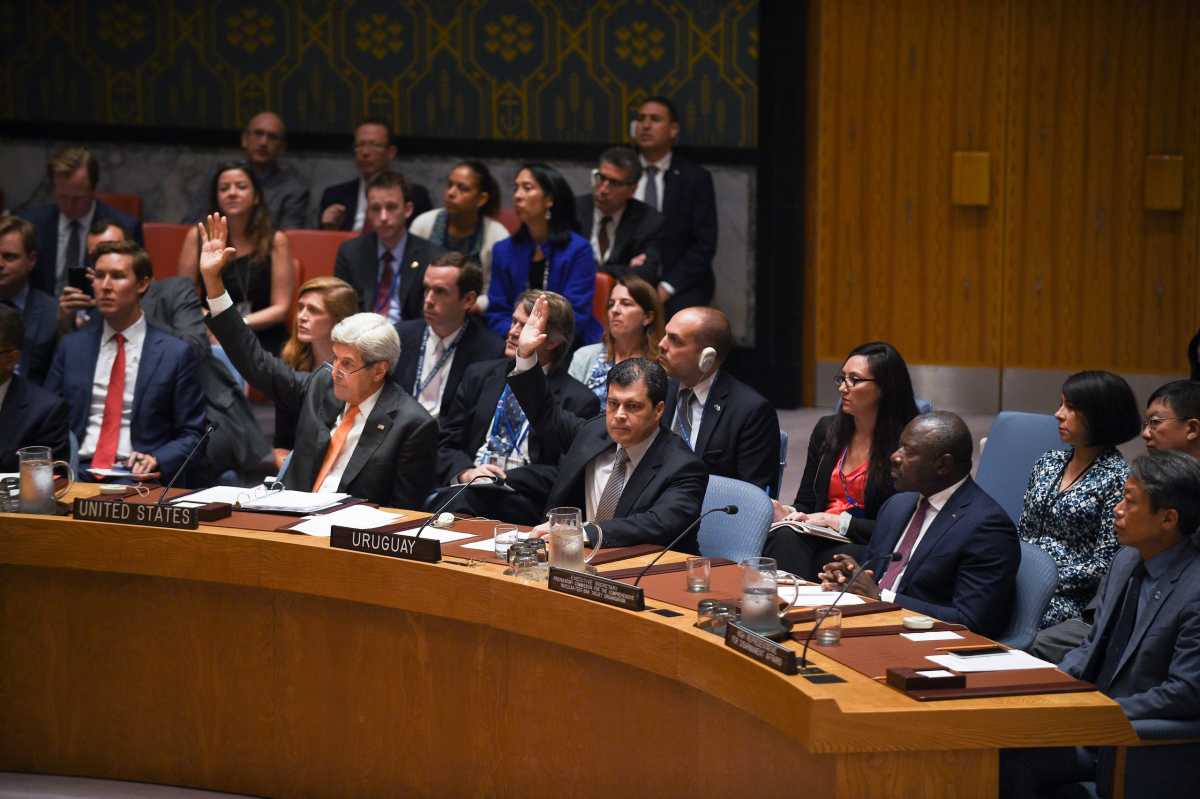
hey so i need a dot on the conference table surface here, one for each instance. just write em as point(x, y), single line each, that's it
point(270, 664)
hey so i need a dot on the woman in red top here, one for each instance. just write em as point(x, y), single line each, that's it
point(848, 472)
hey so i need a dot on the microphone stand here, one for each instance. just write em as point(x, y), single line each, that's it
point(730, 509)
point(492, 478)
point(889, 558)
point(208, 431)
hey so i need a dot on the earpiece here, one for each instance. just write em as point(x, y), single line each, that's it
point(708, 358)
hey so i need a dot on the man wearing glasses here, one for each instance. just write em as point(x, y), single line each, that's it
point(344, 205)
point(624, 232)
point(357, 431)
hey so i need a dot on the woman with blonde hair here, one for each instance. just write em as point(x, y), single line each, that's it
point(635, 326)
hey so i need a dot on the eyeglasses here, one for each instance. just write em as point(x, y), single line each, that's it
point(599, 178)
point(369, 145)
point(1154, 421)
point(850, 380)
point(344, 371)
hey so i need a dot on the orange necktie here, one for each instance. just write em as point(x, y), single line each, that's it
point(336, 443)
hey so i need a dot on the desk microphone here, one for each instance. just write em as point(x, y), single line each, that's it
point(207, 432)
point(889, 558)
point(730, 509)
point(437, 513)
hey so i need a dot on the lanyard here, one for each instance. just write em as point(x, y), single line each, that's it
point(515, 436)
point(421, 385)
point(854, 503)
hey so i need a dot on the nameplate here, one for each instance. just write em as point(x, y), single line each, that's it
point(146, 515)
point(761, 648)
point(392, 545)
point(597, 589)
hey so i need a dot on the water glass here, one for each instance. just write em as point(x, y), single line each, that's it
point(505, 535)
point(829, 632)
point(699, 575)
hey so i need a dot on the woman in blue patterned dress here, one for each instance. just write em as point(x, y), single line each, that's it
point(1069, 503)
point(635, 326)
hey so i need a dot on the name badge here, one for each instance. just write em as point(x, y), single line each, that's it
point(760, 648)
point(392, 545)
point(597, 589)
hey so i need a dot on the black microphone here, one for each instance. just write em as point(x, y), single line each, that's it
point(446, 504)
point(730, 509)
point(207, 432)
point(889, 558)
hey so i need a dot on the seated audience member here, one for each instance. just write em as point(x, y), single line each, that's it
point(130, 387)
point(357, 432)
point(958, 550)
point(624, 232)
point(683, 193)
point(436, 350)
point(1143, 650)
point(262, 277)
point(344, 205)
point(63, 225)
point(544, 253)
point(847, 475)
point(38, 309)
point(322, 303)
point(485, 432)
point(285, 192)
point(729, 425)
point(1172, 423)
point(1071, 495)
point(465, 223)
point(387, 264)
point(32, 415)
point(635, 326)
point(638, 482)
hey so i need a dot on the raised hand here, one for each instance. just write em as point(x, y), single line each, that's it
point(533, 335)
point(214, 254)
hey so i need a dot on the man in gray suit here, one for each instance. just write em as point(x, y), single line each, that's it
point(1144, 650)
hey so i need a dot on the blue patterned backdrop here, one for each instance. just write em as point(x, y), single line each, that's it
point(567, 71)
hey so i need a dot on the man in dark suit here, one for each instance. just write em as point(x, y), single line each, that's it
point(38, 309)
point(624, 232)
point(357, 432)
point(63, 226)
point(729, 425)
point(637, 482)
point(485, 432)
point(683, 193)
point(387, 265)
point(343, 205)
point(1144, 649)
point(130, 387)
point(32, 415)
point(436, 350)
point(958, 550)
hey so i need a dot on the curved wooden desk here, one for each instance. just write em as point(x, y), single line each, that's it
point(269, 664)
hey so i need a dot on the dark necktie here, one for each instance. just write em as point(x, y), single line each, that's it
point(71, 260)
point(383, 292)
point(1118, 637)
point(683, 415)
point(906, 546)
point(651, 196)
point(607, 506)
point(602, 237)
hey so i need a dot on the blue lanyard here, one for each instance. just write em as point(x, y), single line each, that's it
point(418, 386)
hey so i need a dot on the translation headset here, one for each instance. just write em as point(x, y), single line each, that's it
point(708, 359)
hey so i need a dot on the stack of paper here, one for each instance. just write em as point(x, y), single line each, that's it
point(360, 517)
point(811, 596)
point(1012, 660)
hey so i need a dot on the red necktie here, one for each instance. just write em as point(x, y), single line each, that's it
point(110, 427)
point(383, 292)
point(906, 545)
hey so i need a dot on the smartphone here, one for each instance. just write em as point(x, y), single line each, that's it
point(77, 279)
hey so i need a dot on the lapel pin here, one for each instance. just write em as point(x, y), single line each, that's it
point(716, 407)
point(1157, 595)
point(413, 265)
point(379, 426)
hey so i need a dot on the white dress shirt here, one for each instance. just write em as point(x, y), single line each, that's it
point(429, 402)
point(135, 337)
point(701, 391)
point(596, 473)
point(360, 207)
point(936, 503)
point(660, 182)
point(615, 219)
point(64, 236)
point(332, 480)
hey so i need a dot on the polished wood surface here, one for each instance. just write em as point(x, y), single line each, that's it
point(269, 664)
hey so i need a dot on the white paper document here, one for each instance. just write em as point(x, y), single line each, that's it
point(228, 494)
point(291, 502)
point(441, 536)
point(360, 517)
point(487, 545)
point(935, 673)
point(812, 596)
point(1012, 660)
point(945, 635)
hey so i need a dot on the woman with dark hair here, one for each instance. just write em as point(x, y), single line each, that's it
point(848, 473)
point(464, 224)
point(635, 326)
point(1069, 503)
point(544, 253)
point(261, 278)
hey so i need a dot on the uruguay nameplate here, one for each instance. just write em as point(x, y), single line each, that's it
point(597, 589)
point(761, 648)
point(146, 515)
point(392, 545)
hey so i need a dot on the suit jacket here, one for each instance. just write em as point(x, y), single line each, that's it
point(1157, 675)
point(45, 219)
point(570, 271)
point(477, 344)
point(357, 263)
point(465, 423)
point(32, 416)
point(347, 194)
point(739, 431)
point(41, 335)
point(638, 233)
point(660, 498)
point(168, 407)
point(689, 233)
point(965, 569)
point(812, 496)
point(393, 461)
